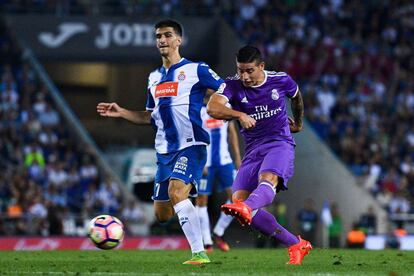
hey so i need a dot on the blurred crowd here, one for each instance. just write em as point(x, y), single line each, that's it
point(353, 59)
point(142, 8)
point(49, 182)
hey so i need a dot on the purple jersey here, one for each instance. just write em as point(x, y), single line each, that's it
point(266, 104)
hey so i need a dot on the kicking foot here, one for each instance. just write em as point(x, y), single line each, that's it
point(298, 251)
point(239, 210)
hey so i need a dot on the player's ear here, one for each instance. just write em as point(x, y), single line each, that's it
point(262, 65)
point(180, 40)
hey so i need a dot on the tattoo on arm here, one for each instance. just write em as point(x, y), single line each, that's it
point(297, 108)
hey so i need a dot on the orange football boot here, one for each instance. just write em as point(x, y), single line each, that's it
point(298, 251)
point(239, 210)
point(221, 243)
point(208, 248)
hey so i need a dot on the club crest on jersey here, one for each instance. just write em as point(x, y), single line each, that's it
point(166, 89)
point(181, 76)
point(275, 95)
point(183, 159)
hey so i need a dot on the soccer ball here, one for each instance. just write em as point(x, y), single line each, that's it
point(106, 231)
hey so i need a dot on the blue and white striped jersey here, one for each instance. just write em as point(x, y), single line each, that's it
point(175, 97)
point(218, 151)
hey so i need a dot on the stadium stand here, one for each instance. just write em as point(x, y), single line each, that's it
point(52, 185)
point(143, 8)
point(354, 62)
point(49, 177)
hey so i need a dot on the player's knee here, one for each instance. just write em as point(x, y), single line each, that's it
point(269, 177)
point(176, 195)
point(163, 217)
point(178, 192)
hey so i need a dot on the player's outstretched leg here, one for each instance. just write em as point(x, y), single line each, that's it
point(190, 224)
point(267, 224)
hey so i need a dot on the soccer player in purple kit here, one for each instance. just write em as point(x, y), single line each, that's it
point(257, 99)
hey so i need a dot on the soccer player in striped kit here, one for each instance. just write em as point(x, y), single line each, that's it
point(176, 91)
point(218, 174)
point(257, 99)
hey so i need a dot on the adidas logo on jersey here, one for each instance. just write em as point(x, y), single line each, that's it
point(244, 100)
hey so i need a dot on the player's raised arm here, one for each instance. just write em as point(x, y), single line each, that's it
point(217, 109)
point(296, 105)
point(115, 111)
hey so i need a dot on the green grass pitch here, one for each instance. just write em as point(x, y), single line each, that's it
point(235, 262)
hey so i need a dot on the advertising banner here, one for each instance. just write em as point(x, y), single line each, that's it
point(78, 243)
point(109, 38)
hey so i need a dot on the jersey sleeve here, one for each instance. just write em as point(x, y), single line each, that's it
point(225, 91)
point(208, 78)
point(150, 101)
point(290, 86)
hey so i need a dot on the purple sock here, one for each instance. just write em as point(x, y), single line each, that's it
point(262, 196)
point(266, 223)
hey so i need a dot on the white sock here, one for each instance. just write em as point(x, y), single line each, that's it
point(222, 223)
point(204, 224)
point(188, 219)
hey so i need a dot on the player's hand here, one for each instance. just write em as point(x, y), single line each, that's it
point(109, 109)
point(294, 127)
point(247, 122)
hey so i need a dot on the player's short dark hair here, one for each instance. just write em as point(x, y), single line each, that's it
point(249, 54)
point(178, 29)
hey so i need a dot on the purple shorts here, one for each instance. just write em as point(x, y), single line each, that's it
point(277, 157)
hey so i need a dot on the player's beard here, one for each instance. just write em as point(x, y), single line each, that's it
point(164, 51)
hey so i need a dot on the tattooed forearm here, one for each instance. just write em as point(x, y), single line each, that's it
point(297, 109)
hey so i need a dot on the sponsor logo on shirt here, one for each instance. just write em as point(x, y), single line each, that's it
point(181, 165)
point(263, 112)
point(166, 89)
point(244, 100)
point(214, 123)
